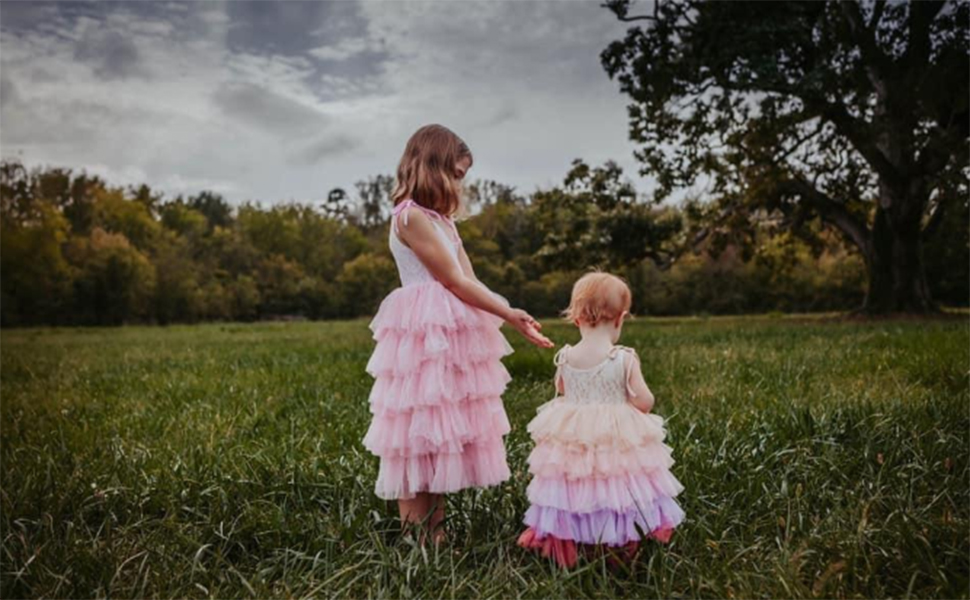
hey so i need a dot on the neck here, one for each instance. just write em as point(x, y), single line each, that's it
point(601, 334)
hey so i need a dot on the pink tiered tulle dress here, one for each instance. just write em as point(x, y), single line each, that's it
point(438, 419)
point(600, 467)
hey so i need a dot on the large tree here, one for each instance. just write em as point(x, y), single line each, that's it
point(856, 113)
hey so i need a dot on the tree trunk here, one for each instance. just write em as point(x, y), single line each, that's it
point(897, 280)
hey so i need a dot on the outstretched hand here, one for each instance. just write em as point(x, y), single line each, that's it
point(528, 327)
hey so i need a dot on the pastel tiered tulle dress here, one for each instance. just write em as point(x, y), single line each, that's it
point(438, 419)
point(600, 467)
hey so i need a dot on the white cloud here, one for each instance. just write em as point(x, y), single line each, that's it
point(344, 49)
point(521, 81)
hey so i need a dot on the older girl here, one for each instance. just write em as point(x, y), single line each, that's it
point(438, 418)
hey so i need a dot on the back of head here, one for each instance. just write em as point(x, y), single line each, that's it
point(598, 298)
point(426, 173)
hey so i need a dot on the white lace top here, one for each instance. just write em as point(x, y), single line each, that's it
point(606, 382)
point(410, 268)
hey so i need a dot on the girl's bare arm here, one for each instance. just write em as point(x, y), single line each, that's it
point(466, 264)
point(419, 235)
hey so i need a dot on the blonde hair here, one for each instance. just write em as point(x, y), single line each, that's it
point(598, 298)
point(426, 173)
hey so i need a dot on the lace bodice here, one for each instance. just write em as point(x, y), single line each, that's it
point(409, 267)
point(602, 383)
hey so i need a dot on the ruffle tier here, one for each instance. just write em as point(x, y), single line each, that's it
point(438, 415)
point(552, 459)
point(476, 465)
point(406, 351)
point(595, 425)
point(446, 428)
point(610, 527)
point(437, 384)
point(426, 307)
point(621, 493)
point(600, 472)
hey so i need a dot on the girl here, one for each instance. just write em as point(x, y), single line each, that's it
point(600, 467)
point(438, 416)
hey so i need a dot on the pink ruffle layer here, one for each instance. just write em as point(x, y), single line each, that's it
point(407, 351)
point(600, 472)
point(620, 493)
point(443, 428)
point(595, 425)
point(438, 416)
point(477, 465)
point(436, 384)
point(426, 307)
point(552, 459)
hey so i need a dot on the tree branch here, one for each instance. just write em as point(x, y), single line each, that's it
point(921, 16)
point(877, 11)
point(798, 143)
point(937, 152)
point(620, 8)
point(857, 131)
point(830, 211)
point(636, 18)
point(875, 60)
point(935, 220)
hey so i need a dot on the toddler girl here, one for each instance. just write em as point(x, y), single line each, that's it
point(438, 418)
point(600, 467)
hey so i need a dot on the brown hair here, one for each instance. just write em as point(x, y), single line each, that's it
point(426, 173)
point(598, 298)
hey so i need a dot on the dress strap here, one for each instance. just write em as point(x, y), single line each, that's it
point(616, 350)
point(560, 358)
point(559, 361)
point(401, 209)
point(628, 368)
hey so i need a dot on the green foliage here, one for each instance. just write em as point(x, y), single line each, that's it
point(243, 295)
point(374, 206)
point(184, 220)
point(801, 111)
point(178, 295)
point(595, 220)
point(947, 252)
point(36, 282)
point(213, 207)
point(821, 459)
point(365, 281)
point(279, 282)
point(116, 213)
point(76, 251)
point(115, 282)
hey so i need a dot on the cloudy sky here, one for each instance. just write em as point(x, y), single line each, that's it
point(284, 100)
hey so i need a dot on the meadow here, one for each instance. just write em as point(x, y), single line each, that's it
point(821, 458)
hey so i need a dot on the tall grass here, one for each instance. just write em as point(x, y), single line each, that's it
point(820, 459)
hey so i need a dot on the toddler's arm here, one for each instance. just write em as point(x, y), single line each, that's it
point(636, 388)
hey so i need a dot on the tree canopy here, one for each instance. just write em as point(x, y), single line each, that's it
point(854, 113)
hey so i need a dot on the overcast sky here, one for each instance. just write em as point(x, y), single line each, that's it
point(285, 100)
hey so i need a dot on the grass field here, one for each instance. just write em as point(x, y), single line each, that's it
point(820, 458)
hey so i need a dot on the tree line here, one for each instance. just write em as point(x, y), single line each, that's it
point(75, 250)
